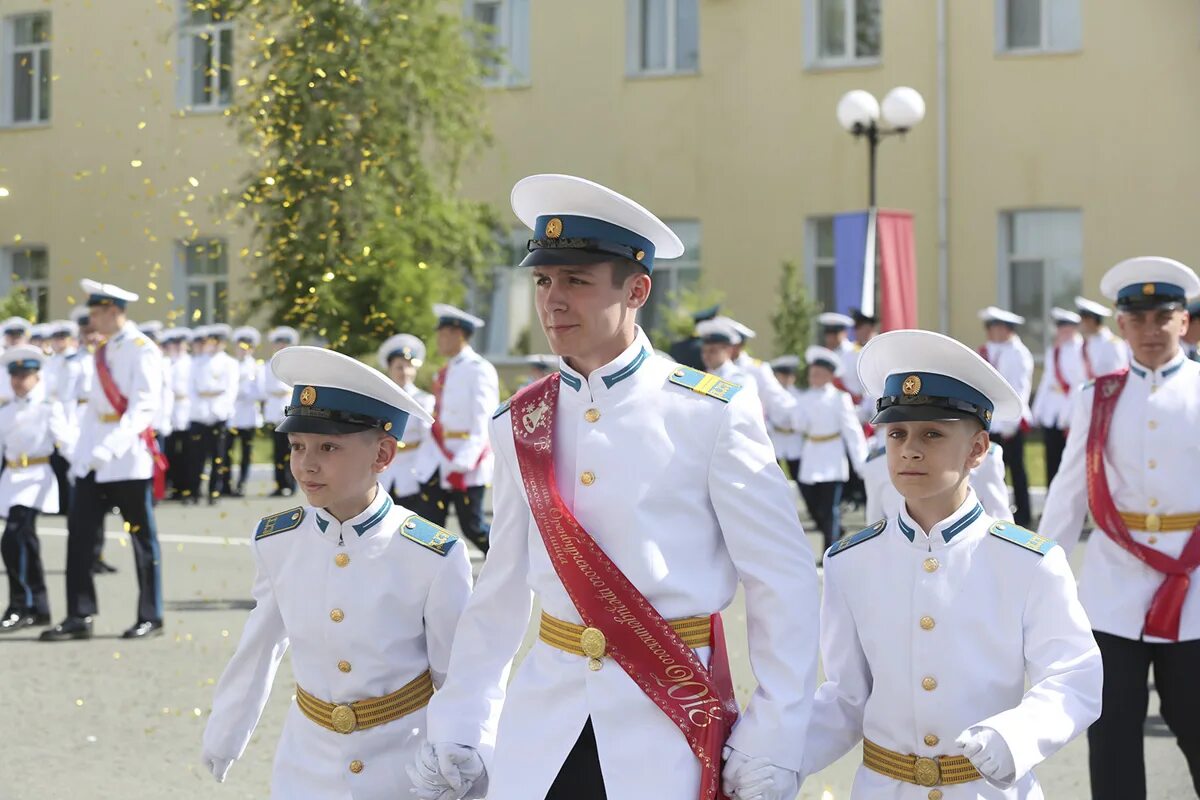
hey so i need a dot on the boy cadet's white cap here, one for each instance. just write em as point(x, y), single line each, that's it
point(823, 357)
point(922, 375)
point(80, 315)
point(402, 345)
point(151, 328)
point(1149, 282)
point(285, 334)
point(176, 335)
point(334, 394)
point(745, 331)
point(105, 294)
point(218, 330)
point(64, 327)
point(1064, 316)
point(996, 314)
point(16, 326)
point(23, 356)
point(247, 334)
point(1085, 306)
point(456, 318)
point(788, 363)
point(543, 361)
point(718, 330)
point(832, 319)
point(40, 331)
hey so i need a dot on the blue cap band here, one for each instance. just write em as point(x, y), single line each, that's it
point(568, 231)
point(934, 390)
point(104, 300)
point(341, 405)
point(455, 322)
point(1151, 289)
point(24, 365)
point(824, 362)
point(403, 352)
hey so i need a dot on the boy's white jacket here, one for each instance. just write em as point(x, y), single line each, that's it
point(469, 396)
point(30, 427)
point(684, 495)
point(399, 603)
point(924, 637)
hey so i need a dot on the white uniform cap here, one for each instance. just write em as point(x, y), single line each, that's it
point(285, 334)
point(218, 330)
point(718, 330)
point(1062, 315)
point(18, 326)
point(100, 294)
point(745, 331)
point(995, 314)
point(824, 357)
point(832, 319)
point(402, 345)
point(80, 315)
point(543, 361)
point(151, 327)
point(922, 375)
point(64, 327)
point(23, 356)
point(456, 317)
point(1149, 281)
point(786, 363)
point(333, 394)
point(176, 335)
point(247, 334)
point(40, 331)
point(1085, 306)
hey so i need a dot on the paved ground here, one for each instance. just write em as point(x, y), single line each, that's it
point(111, 719)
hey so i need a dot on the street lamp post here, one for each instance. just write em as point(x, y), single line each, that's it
point(860, 113)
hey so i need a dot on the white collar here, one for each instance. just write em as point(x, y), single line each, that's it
point(1163, 372)
point(363, 525)
point(950, 529)
point(613, 375)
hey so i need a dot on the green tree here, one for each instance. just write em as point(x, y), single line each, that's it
point(360, 116)
point(793, 318)
point(17, 304)
point(675, 316)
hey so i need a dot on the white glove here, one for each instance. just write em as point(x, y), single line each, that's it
point(989, 753)
point(447, 771)
point(101, 455)
point(745, 778)
point(219, 767)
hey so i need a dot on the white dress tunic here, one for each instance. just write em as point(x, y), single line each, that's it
point(682, 492)
point(400, 478)
point(925, 636)
point(470, 395)
point(399, 604)
point(30, 427)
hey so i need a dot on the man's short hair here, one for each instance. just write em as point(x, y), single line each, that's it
point(623, 269)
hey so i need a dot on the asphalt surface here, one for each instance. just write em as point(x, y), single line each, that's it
point(109, 718)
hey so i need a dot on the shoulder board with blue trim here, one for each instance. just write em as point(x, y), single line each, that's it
point(876, 453)
point(503, 407)
point(1011, 532)
point(426, 534)
point(704, 383)
point(278, 523)
point(141, 340)
point(846, 542)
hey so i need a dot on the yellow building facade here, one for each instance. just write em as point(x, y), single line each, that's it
point(1058, 140)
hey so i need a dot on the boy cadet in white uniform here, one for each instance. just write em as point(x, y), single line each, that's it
point(1005, 351)
point(15, 331)
point(883, 499)
point(213, 392)
point(1132, 459)
point(777, 403)
point(247, 407)
point(718, 337)
point(667, 482)
point(178, 363)
point(788, 442)
point(400, 357)
point(933, 619)
point(1102, 350)
point(365, 592)
point(275, 397)
point(64, 374)
point(31, 426)
point(1062, 374)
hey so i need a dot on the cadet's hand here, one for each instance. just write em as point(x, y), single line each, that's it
point(219, 767)
point(746, 778)
point(428, 783)
point(447, 771)
point(989, 753)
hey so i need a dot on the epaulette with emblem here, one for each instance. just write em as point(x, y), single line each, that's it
point(502, 408)
point(846, 542)
point(704, 383)
point(278, 523)
point(1022, 537)
point(426, 534)
point(876, 453)
point(141, 340)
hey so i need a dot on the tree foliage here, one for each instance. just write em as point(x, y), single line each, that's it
point(797, 311)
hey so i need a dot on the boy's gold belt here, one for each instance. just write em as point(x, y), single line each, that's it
point(940, 771)
point(363, 714)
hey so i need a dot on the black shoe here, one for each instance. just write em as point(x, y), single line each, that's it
point(14, 620)
point(102, 567)
point(69, 628)
point(144, 630)
point(276, 493)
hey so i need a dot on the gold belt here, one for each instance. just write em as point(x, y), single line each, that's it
point(26, 461)
point(210, 394)
point(940, 771)
point(109, 418)
point(82, 401)
point(1160, 523)
point(407, 445)
point(784, 430)
point(363, 714)
point(827, 438)
point(590, 642)
point(456, 434)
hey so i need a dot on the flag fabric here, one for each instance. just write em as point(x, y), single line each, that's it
point(896, 272)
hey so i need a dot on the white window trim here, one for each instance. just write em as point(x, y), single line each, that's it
point(812, 256)
point(513, 69)
point(7, 258)
point(633, 68)
point(1004, 261)
point(188, 30)
point(8, 51)
point(183, 279)
point(1043, 48)
point(813, 60)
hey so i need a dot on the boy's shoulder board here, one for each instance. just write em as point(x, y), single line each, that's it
point(502, 408)
point(704, 383)
point(1021, 537)
point(846, 542)
point(278, 523)
point(876, 453)
point(426, 534)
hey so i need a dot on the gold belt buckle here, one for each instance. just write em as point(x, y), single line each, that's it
point(23, 460)
point(1153, 523)
point(593, 644)
point(927, 772)
point(344, 719)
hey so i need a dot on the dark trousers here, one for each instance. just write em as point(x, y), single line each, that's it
point(207, 446)
point(282, 456)
point(177, 461)
point(22, 555)
point(241, 441)
point(62, 473)
point(92, 501)
point(468, 507)
point(793, 467)
point(824, 501)
point(1055, 440)
point(580, 777)
point(1115, 756)
point(1014, 459)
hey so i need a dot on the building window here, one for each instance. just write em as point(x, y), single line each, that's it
point(505, 302)
point(206, 55)
point(821, 268)
point(843, 32)
point(27, 63)
point(1041, 266)
point(1038, 26)
point(27, 270)
point(505, 27)
point(673, 276)
point(663, 37)
point(203, 269)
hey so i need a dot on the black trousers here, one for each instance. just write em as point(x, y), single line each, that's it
point(241, 441)
point(22, 555)
point(62, 473)
point(177, 460)
point(580, 777)
point(824, 501)
point(92, 501)
point(282, 457)
point(207, 446)
point(793, 466)
point(1055, 440)
point(1115, 756)
point(468, 507)
point(1014, 459)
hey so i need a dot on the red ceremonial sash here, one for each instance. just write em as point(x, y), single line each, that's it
point(857, 398)
point(699, 701)
point(983, 351)
point(1063, 383)
point(1162, 620)
point(457, 480)
point(120, 404)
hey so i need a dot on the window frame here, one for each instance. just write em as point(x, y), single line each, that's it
point(512, 37)
point(812, 40)
point(8, 51)
point(188, 31)
point(185, 280)
point(814, 261)
point(41, 287)
point(633, 43)
point(666, 276)
point(1043, 47)
point(1005, 258)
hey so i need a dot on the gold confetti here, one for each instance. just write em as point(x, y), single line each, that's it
point(116, 656)
point(78, 701)
point(196, 712)
point(135, 163)
point(141, 126)
point(193, 182)
point(3, 192)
